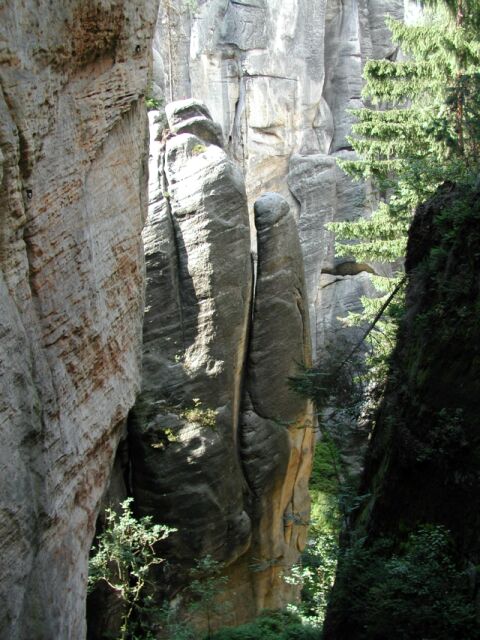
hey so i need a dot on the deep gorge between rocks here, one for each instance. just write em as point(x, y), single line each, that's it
point(169, 278)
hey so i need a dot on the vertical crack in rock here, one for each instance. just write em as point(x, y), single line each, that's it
point(221, 448)
point(165, 200)
point(276, 423)
point(186, 469)
point(286, 124)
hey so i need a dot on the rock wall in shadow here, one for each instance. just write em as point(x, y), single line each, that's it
point(422, 467)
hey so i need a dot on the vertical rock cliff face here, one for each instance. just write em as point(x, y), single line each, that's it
point(72, 200)
point(221, 448)
point(280, 76)
point(186, 468)
point(423, 461)
point(277, 424)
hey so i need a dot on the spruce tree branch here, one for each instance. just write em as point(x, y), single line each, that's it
point(372, 325)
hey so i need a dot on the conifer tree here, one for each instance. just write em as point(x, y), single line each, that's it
point(421, 128)
point(423, 125)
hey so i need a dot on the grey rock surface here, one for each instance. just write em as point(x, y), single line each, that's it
point(216, 445)
point(280, 76)
point(72, 202)
point(277, 424)
point(186, 468)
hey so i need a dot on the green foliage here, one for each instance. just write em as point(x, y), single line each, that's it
point(148, 407)
point(325, 471)
point(153, 104)
point(280, 625)
point(204, 417)
point(198, 149)
point(416, 591)
point(316, 569)
point(421, 128)
point(316, 575)
point(123, 556)
point(205, 590)
point(429, 132)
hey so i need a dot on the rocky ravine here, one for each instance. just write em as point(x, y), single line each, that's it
point(422, 466)
point(73, 201)
point(221, 447)
point(280, 76)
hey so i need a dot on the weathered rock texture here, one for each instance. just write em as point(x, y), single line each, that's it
point(277, 424)
point(423, 461)
point(72, 200)
point(280, 75)
point(221, 448)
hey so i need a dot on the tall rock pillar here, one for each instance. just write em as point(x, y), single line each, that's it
point(277, 424)
point(221, 447)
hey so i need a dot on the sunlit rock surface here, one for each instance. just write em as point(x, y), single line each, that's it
point(280, 77)
point(221, 447)
point(72, 202)
point(186, 468)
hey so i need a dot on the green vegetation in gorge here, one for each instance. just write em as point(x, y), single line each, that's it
point(123, 557)
point(420, 145)
point(428, 133)
point(278, 625)
point(417, 590)
point(419, 137)
point(423, 128)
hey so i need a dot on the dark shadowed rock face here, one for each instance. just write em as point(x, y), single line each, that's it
point(72, 203)
point(424, 459)
point(216, 447)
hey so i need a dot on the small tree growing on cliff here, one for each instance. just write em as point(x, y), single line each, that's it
point(206, 588)
point(426, 130)
point(123, 557)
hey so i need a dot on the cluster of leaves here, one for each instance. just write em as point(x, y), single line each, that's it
point(415, 591)
point(197, 414)
point(280, 625)
point(429, 132)
point(152, 103)
point(422, 127)
point(205, 590)
point(316, 569)
point(123, 557)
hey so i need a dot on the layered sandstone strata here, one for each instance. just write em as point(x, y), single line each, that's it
point(72, 201)
point(221, 446)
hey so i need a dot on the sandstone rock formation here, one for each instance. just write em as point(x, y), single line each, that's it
point(186, 467)
point(280, 76)
point(277, 424)
point(73, 194)
point(422, 464)
point(221, 448)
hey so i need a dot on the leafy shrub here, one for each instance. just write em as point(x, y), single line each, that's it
point(280, 625)
point(205, 588)
point(204, 417)
point(415, 592)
